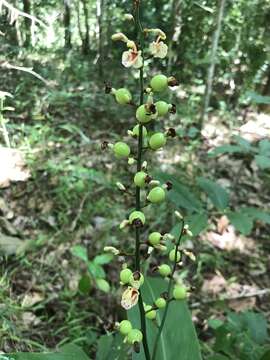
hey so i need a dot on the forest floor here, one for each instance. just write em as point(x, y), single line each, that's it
point(40, 303)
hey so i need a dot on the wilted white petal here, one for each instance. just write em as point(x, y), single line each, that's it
point(158, 49)
point(132, 58)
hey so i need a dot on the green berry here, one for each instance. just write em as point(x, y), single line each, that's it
point(160, 303)
point(172, 255)
point(164, 270)
point(151, 315)
point(154, 238)
point(125, 327)
point(159, 83)
point(156, 195)
point(123, 96)
point(143, 115)
point(134, 335)
point(157, 141)
point(179, 292)
point(139, 179)
point(136, 131)
point(137, 215)
point(162, 108)
point(125, 275)
point(121, 149)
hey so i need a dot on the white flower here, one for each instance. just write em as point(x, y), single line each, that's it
point(158, 49)
point(133, 58)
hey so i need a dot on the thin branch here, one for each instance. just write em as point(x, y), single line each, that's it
point(243, 295)
point(7, 65)
point(15, 13)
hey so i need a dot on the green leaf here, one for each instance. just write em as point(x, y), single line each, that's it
point(217, 194)
point(180, 194)
point(178, 339)
point(257, 214)
point(241, 221)
point(257, 325)
point(80, 252)
point(264, 147)
point(262, 161)
point(225, 149)
point(96, 270)
point(217, 357)
point(67, 352)
point(111, 347)
point(266, 355)
point(85, 284)
point(103, 259)
point(197, 223)
point(256, 98)
point(103, 285)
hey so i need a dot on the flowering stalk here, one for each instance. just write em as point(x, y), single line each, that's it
point(138, 189)
point(147, 111)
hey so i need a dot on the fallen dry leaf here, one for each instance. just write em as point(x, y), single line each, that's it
point(257, 128)
point(229, 240)
point(13, 167)
point(31, 299)
point(222, 224)
point(215, 285)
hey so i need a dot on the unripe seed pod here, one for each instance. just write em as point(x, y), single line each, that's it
point(121, 149)
point(154, 238)
point(123, 96)
point(157, 141)
point(136, 130)
point(160, 303)
point(136, 279)
point(164, 270)
point(156, 195)
point(139, 179)
point(134, 335)
point(159, 83)
point(151, 315)
point(179, 292)
point(143, 115)
point(136, 215)
point(125, 275)
point(125, 327)
point(162, 108)
point(172, 255)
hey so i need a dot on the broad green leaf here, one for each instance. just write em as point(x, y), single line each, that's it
point(256, 98)
point(96, 270)
point(217, 194)
point(111, 347)
point(257, 214)
point(217, 357)
point(197, 223)
point(243, 143)
point(225, 149)
point(103, 285)
point(180, 194)
point(68, 352)
point(264, 147)
point(103, 259)
point(266, 355)
point(262, 161)
point(85, 284)
point(241, 221)
point(178, 339)
point(80, 252)
point(257, 325)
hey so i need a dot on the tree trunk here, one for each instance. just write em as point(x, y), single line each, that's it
point(27, 23)
point(86, 39)
point(211, 70)
point(67, 18)
point(100, 7)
